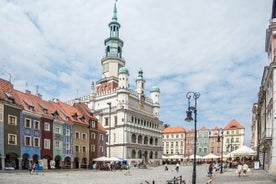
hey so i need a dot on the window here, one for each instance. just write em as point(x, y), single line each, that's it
point(106, 121)
point(115, 120)
point(47, 126)
point(12, 139)
point(101, 137)
point(67, 132)
point(67, 146)
point(83, 149)
point(77, 135)
point(36, 142)
point(93, 148)
point(101, 149)
point(93, 124)
point(84, 136)
point(36, 125)
point(12, 120)
point(28, 123)
point(77, 148)
point(27, 141)
point(237, 139)
point(93, 136)
point(47, 144)
point(199, 150)
point(1, 112)
point(58, 131)
point(114, 137)
point(58, 145)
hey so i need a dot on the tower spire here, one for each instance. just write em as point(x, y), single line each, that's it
point(114, 18)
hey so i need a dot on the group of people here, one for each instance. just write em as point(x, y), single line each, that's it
point(176, 167)
point(242, 169)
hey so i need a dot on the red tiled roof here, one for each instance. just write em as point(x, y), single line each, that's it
point(100, 127)
point(7, 88)
point(174, 130)
point(233, 125)
point(71, 111)
point(203, 128)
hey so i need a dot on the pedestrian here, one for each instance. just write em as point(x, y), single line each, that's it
point(239, 169)
point(244, 168)
point(127, 173)
point(166, 167)
point(33, 168)
point(210, 173)
point(177, 167)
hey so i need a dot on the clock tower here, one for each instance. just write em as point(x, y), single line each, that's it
point(113, 60)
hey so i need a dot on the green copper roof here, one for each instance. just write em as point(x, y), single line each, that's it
point(155, 89)
point(114, 12)
point(140, 74)
point(123, 70)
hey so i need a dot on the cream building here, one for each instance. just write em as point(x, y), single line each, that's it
point(129, 116)
point(174, 141)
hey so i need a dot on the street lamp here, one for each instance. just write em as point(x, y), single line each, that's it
point(109, 124)
point(220, 139)
point(193, 109)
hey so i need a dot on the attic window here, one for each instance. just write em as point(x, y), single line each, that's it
point(31, 108)
point(55, 114)
point(82, 118)
point(10, 97)
point(75, 116)
point(233, 127)
point(45, 111)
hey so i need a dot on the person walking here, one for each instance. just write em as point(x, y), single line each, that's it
point(210, 173)
point(244, 168)
point(239, 169)
point(166, 167)
point(33, 168)
point(177, 167)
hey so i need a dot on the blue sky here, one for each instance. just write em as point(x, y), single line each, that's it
point(212, 47)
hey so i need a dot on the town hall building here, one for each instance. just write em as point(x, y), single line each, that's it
point(131, 119)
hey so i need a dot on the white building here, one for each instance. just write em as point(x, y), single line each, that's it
point(264, 111)
point(135, 131)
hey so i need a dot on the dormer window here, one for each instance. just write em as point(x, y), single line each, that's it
point(45, 111)
point(31, 108)
point(55, 114)
point(82, 118)
point(10, 97)
point(75, 116)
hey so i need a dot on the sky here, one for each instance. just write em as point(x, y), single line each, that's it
point(216, 48)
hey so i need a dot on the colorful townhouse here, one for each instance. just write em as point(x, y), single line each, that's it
point(50, 133)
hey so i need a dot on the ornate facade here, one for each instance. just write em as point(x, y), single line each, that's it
point(129, 116)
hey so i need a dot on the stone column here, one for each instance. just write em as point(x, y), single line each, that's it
point(20, 163)
point(3, 162)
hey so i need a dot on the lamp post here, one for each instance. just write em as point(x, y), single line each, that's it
point(193, 109)
point(220, 139)
point(109, 125)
